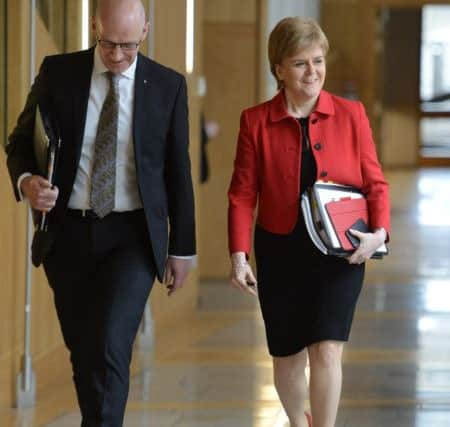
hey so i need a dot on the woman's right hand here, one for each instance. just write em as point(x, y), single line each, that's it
point(241, 274)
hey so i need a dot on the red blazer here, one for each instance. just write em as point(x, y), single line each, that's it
point(267, 164)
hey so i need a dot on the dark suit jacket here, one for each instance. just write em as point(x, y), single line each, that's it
point(160, 134)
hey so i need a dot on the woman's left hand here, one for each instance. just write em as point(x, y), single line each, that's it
point(368, 244)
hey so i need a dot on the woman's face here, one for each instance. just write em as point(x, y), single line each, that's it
point(303, 74)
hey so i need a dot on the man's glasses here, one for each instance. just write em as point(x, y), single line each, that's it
point(127, 46)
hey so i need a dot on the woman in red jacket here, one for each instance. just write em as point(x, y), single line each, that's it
point(307, 299)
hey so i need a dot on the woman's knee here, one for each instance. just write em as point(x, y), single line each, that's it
point(290, 365)
point(326, 354)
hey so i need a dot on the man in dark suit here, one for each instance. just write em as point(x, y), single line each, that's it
point(122, 175)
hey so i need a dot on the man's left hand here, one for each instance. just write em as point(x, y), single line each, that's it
point(177, 270)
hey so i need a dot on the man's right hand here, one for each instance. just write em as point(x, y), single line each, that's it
point(39, 192)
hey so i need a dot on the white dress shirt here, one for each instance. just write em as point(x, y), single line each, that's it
point(127, 194)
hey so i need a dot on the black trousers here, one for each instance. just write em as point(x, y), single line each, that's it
point(101, 272)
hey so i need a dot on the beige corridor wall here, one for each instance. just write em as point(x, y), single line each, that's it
point(2, 69)
point(231, 41)
point(49, 356)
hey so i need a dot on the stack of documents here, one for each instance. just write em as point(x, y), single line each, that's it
point(46, 147)
point(46, 144)
point(330, 210)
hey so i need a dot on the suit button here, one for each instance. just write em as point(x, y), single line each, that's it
point(318, 146)
point(323, 174)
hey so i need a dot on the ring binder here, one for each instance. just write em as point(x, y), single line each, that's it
point(46, 147)
point(329, 211)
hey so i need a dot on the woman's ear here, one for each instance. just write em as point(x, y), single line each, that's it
point(279, 71)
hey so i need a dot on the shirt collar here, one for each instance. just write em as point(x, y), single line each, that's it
point(99, 67)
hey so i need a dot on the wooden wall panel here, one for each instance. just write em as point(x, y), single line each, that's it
point(343, 59)
point(7, 288)
point(231, 67)
point(51, 12)
point(231, 11)
point(45, 332)
point(2, 70)
point(400, 93)
point(73, 25)
point(399, 134)
point(170, 50)
point(358, 57)
point(170, 33)
point(11, 215)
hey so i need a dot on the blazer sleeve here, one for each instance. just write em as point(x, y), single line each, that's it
point(375, 185)
point(243, 191)
point(178, 179)
point(19, 149)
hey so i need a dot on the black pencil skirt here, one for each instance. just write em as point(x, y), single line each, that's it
point(305, 296)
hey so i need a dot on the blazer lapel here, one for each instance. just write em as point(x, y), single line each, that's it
point(147, 106)
point(81, 97)
point(78, 82)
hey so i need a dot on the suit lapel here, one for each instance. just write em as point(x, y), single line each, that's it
point(76, 88)
point(81, 97)
point(147, 103)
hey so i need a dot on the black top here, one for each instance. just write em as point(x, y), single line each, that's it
point(308, 169)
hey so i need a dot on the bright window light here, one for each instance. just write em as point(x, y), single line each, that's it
point(189, 36)
point(85, 24)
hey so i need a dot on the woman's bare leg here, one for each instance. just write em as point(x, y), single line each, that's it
point(325, 361)
point(290, 383)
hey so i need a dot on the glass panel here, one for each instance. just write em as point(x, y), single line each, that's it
point(435, 82)
point(2, 71)
point(435, 58)
point(435, 137)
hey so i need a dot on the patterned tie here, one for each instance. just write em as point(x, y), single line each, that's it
point(104, 169)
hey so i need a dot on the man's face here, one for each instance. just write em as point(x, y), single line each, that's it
point(118, 41)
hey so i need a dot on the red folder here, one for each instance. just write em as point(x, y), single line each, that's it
point(343, 214)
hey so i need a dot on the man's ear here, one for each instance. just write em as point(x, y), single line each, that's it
point(94, 25)
point(145, 30)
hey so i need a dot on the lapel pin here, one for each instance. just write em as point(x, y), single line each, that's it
point(145, 82)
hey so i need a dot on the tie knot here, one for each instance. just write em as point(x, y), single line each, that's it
point(112, 78)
